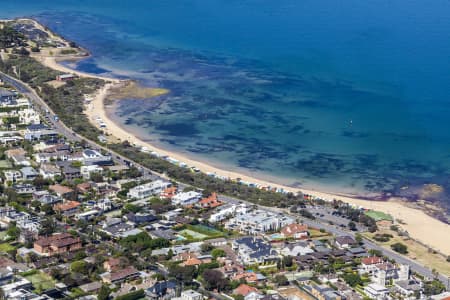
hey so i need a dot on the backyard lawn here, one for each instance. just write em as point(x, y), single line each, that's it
point(41, 281)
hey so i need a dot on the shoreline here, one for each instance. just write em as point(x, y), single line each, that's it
point(417, 223)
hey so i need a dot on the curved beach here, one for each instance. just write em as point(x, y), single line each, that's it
point(420, 226)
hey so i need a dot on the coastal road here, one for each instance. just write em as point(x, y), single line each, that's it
point(62, 129)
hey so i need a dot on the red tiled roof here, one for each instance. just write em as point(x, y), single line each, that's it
point(293, 229)
point(244, 290)
point(60, 189)
point(247, 276)
point(123, 274)
point(371, 260)
point(67, 205)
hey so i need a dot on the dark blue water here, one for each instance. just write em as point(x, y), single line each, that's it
point(349, 95)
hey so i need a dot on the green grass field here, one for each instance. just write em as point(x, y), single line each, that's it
point(5, 247)
point(189, 234)
point(200, 232)
point(378, 215)
point(41, 281)
point(5, 164)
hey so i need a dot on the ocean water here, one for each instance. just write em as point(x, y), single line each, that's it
point(349, 96)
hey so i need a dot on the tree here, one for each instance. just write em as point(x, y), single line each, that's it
point(352, 279)
point(358, 238)
point(206, 247)
point(103, 293)
point(79, 266)
point(214, 280)
point(183, 274)
point(288, 261)
point(13, 231)
point(433, 287)
point(281, 280)
point(400, 248)
point(218, 253)
point(352, 226)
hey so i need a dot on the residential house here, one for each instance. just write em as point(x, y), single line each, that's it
point(86, 171)
point(147, 190)
point(17, 155)
point(244, 290)
point(24, 188)
point(376, 291)
point(386, 272)
point(67, 208)
point(49, 171)
point(140, 217)
point(322, 292)
point(345, 241)
point(120, 275)
point(57, 244)
point(210, 202)
point(62, 191)
point(254, 250)
point(189, 295)
point(47, 157)
point(162, 290)
point(169, 192)
point(222, 213)
point(296, 249)
point(29, 116)
point(93, 157)
point(259, 221)
point(69, 171)
point(294, 230)
point(186, 198)
point(28, 173)
point(113, 264)
point(12, 176)
point(408, 288)
point(116, 228)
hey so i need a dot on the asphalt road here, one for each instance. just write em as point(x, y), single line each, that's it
point(65, 131)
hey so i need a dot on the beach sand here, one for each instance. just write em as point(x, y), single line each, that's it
point(419, 225)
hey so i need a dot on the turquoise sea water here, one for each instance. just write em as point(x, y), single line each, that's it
point(351, 96)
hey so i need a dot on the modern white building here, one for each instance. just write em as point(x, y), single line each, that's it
point(149, 189)
point(86, 171)
point(186, 198)
point(189, 295)
point(376, 291)
point(259, 221)
point(29, 116)
point(222, 212)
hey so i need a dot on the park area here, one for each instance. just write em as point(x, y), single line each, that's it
point(199, 232)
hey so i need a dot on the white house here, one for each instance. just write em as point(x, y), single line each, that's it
point(376, 291)
point(86, 171)
point(49, 171)
point(189, 295)
point(296, 249)
point(13, 176)
point(29, 116)
point(222, 213)
point(149, 189)
point(186, 198)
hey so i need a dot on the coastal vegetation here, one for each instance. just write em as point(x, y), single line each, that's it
point(9, 38)
point(67, 102)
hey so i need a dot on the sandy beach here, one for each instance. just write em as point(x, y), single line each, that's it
point(420, 226)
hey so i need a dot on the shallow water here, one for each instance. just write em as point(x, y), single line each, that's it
point(350, 96)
